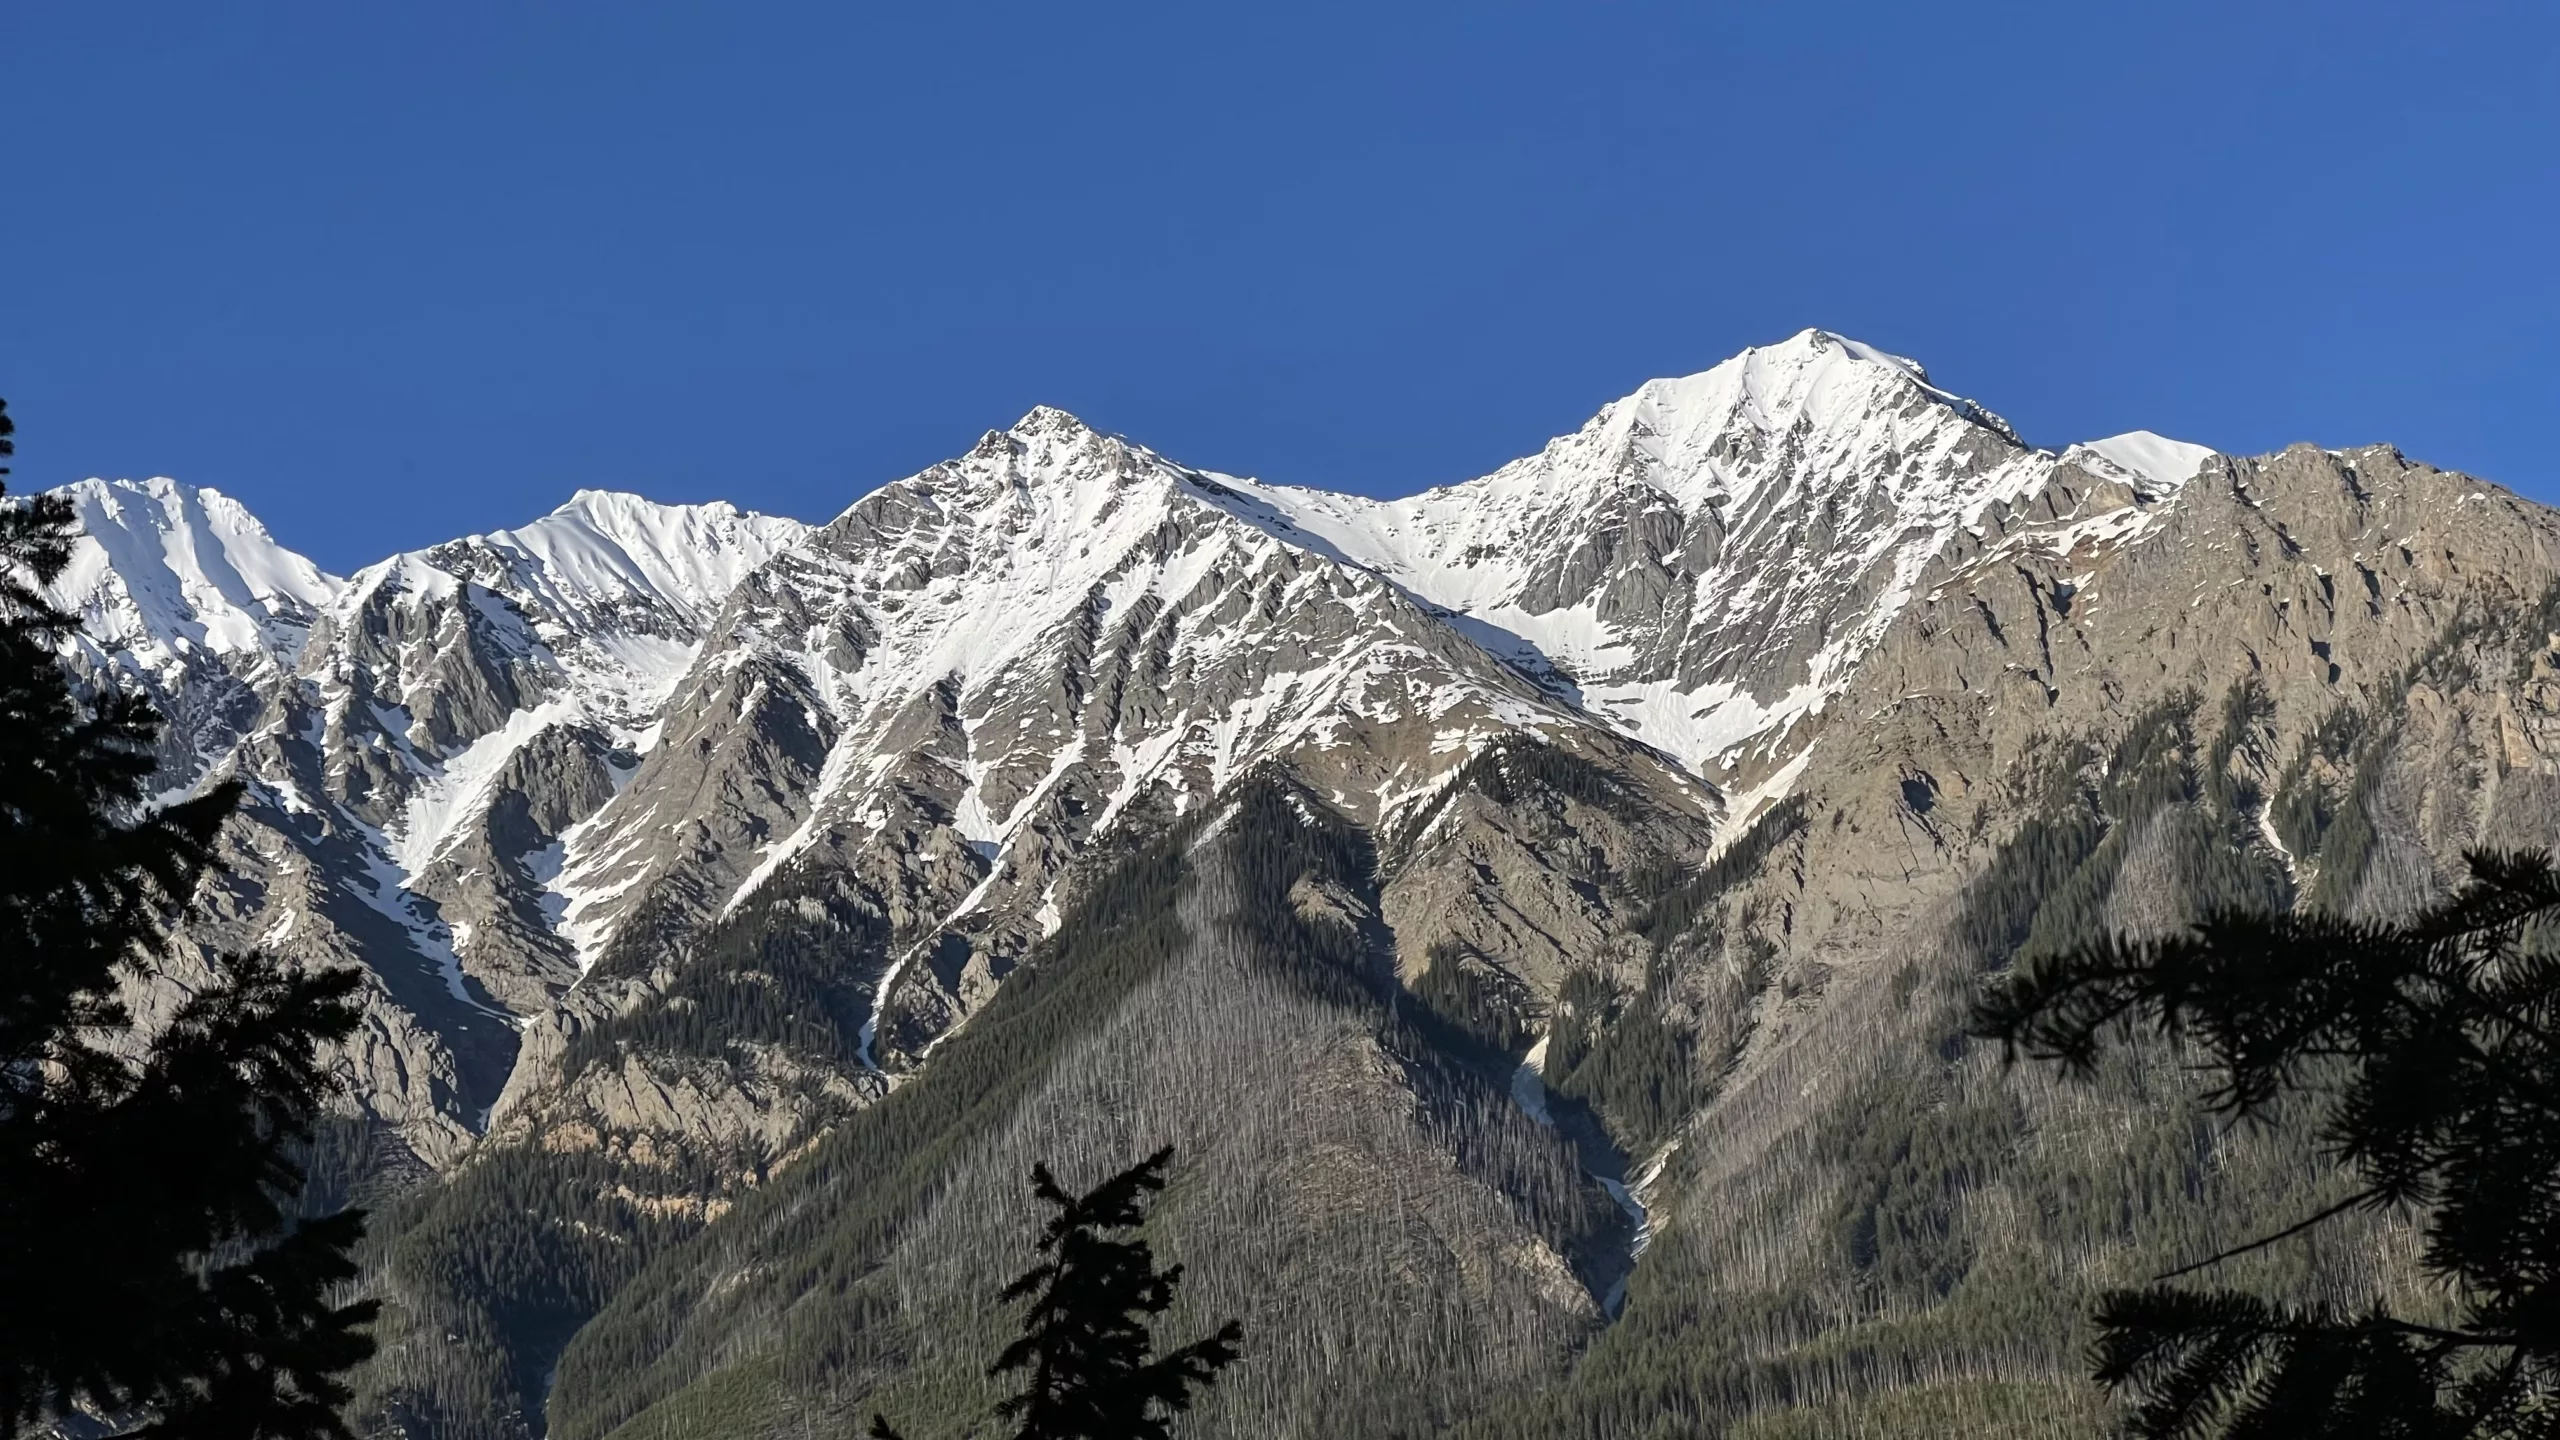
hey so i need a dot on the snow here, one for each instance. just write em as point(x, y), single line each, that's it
point(1529, 1093)
point(462, 788)
point(1744, 451)
point(2161, 461)
point(605, 599)
point(614, 590)
point(1746, 806)
point(163, 570)
point(1065, 529)
point(605, 546)
point(897, 968)
point(1529, 1085)
point(543, 868)
point(384, 887)
point(2275, 842)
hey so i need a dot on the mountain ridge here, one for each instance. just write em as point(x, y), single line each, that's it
point(439, 674)
point(682, 845)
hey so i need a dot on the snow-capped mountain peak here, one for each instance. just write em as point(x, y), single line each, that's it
point(165, 569)
point(1046, 450)
point(601, 550)
point(2153, 463)
point(1854, 411)
point(1911, 370)
point(603, 544)
point(601, 603)
point(1705, 560)
point(1050, 420)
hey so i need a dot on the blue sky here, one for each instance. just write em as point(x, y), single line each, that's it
point(392, 273)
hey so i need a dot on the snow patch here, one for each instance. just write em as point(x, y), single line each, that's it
point(2163, 462)
point(162, 571)
point(384, 888)
point(461, 789)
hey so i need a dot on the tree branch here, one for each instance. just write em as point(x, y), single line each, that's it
point(2264, 1241)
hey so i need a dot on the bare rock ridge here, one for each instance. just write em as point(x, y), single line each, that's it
point(1676, 773)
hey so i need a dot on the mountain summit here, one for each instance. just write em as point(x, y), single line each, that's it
point(1704, 564)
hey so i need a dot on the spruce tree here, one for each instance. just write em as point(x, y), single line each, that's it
point(1087, 1352)
point(152, 1270)
point(2430, 1048)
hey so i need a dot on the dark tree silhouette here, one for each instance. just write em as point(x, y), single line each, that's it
point(150, 1266)
point(1086, 1351)
point(2432, 1048)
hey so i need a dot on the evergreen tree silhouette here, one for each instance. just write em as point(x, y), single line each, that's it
point(1087, 1352)
point(2432, 1048)
point(150, 1268)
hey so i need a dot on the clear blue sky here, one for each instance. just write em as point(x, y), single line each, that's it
point(396, 272)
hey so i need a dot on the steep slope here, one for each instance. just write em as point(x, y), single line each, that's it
point(2314, 674)
point(1407, 1244)
point(929, 711)
point(2136, 680)
point(483, 696)
point(2313, 677)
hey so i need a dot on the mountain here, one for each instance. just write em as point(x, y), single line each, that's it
point(182, 592)
point(1706, 563)
point(1540, 910)
point(413, 739)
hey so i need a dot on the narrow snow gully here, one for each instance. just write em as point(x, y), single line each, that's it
point(870, 1031)
point(1529, 1092)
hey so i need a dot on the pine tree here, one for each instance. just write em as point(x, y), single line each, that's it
point(1086, 1349)
point(150, 1266)
point(2431, 1047)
